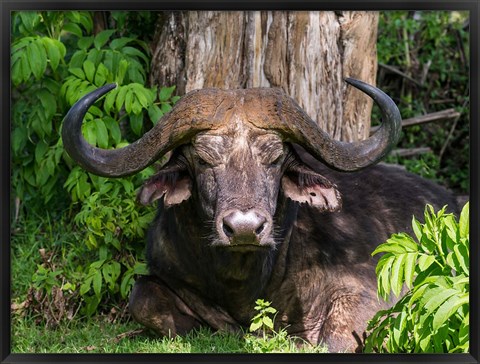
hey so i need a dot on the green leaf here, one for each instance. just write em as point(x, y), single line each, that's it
point(136, 123)
point(166, 93)
point(270, 310)
point(465, 221)
point(77, 59)
point(140, 268)
point(85, 287)
point(399, 328)
point(166, 108)
point(17, 73)
point(448, 308)
point(267, 321)
point(77, 72)
point(89, 69)
point(116, 269)
point(462, 256)
point(114, 129)
point(440, 296)
point(120, 99)
point(110, 100)
point(30, 19)
point(97, 283)
point(130, 51)
point(128, 100)
point(37, 58)
point(102, 134)
point(102, 38)
point(95, 56)
point(396, 276)
point(48, 102)
point(73, 28)
point(85, 42)
point(143, 95)
point(154, 113)
point(122, 69)
point(384, 278)
point(40, 150)
point(19, 139)
point(82, 17)
point(25, 67)
point(255, 325)
point(55, 51)
point(464, 330)
point(127, 282)
point(425, 261)
point(389, 248)
point(417, 228)
point(410, 263)
point(89, 131)
point(120, 42)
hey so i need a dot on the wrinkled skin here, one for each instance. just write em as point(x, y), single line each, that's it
point(243, 215)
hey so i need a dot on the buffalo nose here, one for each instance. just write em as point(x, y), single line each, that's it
point(244, 227)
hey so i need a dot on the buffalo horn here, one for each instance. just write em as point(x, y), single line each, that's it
point(174, 128)
point(298, 127)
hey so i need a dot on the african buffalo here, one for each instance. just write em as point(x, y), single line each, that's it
point(255, 202)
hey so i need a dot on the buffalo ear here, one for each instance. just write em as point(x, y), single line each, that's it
point(169, 183)
point(303, 185)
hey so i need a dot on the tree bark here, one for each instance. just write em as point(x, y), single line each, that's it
point(307, 54)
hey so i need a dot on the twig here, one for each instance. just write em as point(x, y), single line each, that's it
point(410, 151)
point(422, 119)
point(400, 73)
point(449, 136)
point(128, 334)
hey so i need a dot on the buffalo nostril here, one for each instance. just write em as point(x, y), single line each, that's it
point(228, 230)
point(260, 229)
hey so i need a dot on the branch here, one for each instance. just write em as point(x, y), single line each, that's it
point(422, 119)
point(400, 73)
point(410, 151)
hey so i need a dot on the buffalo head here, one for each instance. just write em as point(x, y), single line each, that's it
point(233, 154)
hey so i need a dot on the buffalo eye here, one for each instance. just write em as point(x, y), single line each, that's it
point(277, 161)
point(201, 161)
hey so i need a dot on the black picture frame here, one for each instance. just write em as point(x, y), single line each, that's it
point(7, 6)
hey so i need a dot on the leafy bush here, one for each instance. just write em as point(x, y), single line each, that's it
point(433, 316)
point(56, 59)
point(430, 51)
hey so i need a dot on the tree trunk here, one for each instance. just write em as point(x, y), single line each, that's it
point(307, 54)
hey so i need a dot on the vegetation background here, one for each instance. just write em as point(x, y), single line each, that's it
point(77, 240)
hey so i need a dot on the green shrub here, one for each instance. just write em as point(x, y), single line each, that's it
point(433, 316)
point(430, 49)
point(56, 59)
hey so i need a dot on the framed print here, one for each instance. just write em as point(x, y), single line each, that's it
point(224, 181)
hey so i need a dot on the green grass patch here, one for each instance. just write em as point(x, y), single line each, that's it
point(97, 335)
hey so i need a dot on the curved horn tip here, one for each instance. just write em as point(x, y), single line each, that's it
point(108, 87)
point(355, 83)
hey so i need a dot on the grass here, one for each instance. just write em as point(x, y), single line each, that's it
point(98, 334)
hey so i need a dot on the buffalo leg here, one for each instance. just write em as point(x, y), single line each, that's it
point(155, 306)
point(346, 322)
